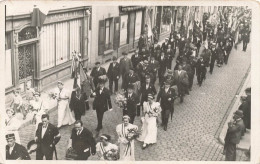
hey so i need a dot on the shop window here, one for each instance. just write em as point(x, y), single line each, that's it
point(27, 33)
point(8, 61)
point(108, 40)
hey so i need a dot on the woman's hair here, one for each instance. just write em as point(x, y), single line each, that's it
point(106, 137)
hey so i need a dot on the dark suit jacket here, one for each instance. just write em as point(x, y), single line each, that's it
point(135, 60)
point(83, 141)
point(163, 98)
point(150, 90)
point(165, 46)
point(125, 65)
point(48, 139)
point(113, 72)
point(162, 63)
point(129, 80)
point(201, 66)
point(154, 66)
point(182, 79)
point(234, 133)
point(131, 104)
point(77, 104)
point(102, 102)
point(96, 73)
point(19, 151)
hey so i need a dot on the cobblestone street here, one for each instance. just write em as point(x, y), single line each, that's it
point(194, 130)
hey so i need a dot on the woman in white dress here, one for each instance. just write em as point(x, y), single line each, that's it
point(65, 116)
point(37, 108)
point(149, 127)
point(126, 147)
point(12, 124)
point(104, 146)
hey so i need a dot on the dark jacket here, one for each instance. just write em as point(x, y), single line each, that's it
point(77, 104)
point(135, 60)
point(95, 73)
point(163, 97)
point(154, 66)
point(113, 71)
point(150, 90)
point(19, 151)
point(83, 141)
point(125, 65)
point(234, 132)
point(131, 104)
point(129, 80)
point(201, 66)
point(50, 138)
point(102, 102)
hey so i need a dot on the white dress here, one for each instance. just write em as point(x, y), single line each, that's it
point(12, 126)
point(126, 149)
point(102, 149)
point(65, 116)
point(149, 127)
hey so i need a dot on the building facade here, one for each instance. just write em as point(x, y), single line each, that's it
point(38, 57)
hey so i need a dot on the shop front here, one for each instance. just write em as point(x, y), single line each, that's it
point(39, 56)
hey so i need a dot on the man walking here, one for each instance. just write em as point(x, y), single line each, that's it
point(97, 72)
point(182, 81)
point(125, 65)
point(131, 103)
point(15, 151)
point(47, 136)
point(213, 58)
point(101, 103)
point(113, 74)
point(82, 141)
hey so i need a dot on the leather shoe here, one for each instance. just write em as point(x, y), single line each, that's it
point(165, 128)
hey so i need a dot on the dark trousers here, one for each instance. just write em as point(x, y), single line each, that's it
point(201, 76)
point(226, 58)
point(212, 64)
point(161, 73)
point(132, 119)
point(169, 64)
point(77, 115)
point(40, 155)
point(230, 151)
point(165, 116)
point(191, 77)
point(244, 45)
point(95, 81)
point(82, 156)
point(100, 115)
point(111, 81)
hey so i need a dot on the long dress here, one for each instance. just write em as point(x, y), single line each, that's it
point(126, 149)
point(149, 127)
point(12, 126)
point(102, 149)
point(65, 116)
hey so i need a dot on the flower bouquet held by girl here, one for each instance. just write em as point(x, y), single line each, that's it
point(120, 99)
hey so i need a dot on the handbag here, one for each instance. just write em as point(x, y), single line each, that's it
point(71, 154)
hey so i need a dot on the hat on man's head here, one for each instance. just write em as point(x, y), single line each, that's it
point(97, 63)
point(124, 53)
point(169, 72)
point(248, 90)
point(10, 136)
point(239, 113)
point(114, 58)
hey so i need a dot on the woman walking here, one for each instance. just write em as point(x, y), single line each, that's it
point(105, 149)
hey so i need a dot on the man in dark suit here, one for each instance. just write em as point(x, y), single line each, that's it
point(201, 70)
point(97, 72)
point(129, 78)
point(166, 98)
point(87, 87)
point(125, 64)
point(162, 59)
point(154, 66)
point(141, 42)
point(213, 58)
point(101, 103)
point(135, 59)
point(165, 45)
point(233, 136)
point(131, 103)
point(15, 151)
point(113, 74)
point(181, 79)
point(144, 54)
point(186, 67)
point(47, 136)
point(82, 141)
point(77, 103)
point(147, 88)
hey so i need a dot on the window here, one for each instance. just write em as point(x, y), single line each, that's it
point(8, 61)
point(108, 40)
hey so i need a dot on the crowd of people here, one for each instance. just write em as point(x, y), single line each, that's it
point(139, 96)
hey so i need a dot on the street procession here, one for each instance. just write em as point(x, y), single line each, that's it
point(163, 89)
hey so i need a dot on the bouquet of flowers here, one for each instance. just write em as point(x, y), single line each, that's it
point(155, 111)
point(103, 78)
point(111, 155)
point(133, 134)
point(120, 99)
point(52, 95)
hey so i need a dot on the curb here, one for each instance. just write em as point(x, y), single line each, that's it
point(231, 105)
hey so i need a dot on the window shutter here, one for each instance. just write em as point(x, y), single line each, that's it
point(101, 37)
point(116, 33)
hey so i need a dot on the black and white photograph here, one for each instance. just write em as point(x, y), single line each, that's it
point(129, 82)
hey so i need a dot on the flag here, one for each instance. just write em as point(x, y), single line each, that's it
point(38, 17)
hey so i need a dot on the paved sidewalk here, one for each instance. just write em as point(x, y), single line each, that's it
point(245, 141)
